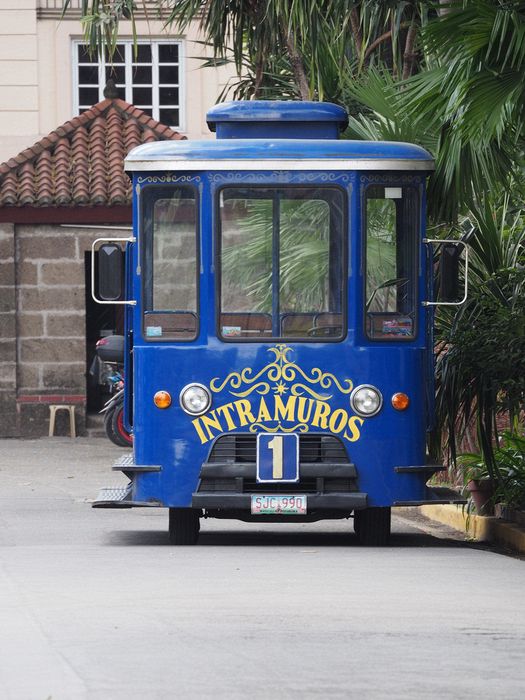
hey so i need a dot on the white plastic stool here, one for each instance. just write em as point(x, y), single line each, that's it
point(53, 408)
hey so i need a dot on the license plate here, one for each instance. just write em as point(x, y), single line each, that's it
point(278, 505)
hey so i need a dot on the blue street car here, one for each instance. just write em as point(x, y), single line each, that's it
point(278, 290)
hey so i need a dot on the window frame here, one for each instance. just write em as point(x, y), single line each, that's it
point(128, 67)
point(143, 239)
point(345, 240)
point(416, 253)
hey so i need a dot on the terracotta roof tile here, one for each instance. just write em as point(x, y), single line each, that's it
point(81, 163)
point(79, 147)
point(44, 175)
point(131, 135)
point(26, 183)
point(62, 172)
point(9, 188)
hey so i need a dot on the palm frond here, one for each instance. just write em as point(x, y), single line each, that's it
point(480, 369)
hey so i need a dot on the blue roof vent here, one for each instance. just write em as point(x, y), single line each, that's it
point(263, 119)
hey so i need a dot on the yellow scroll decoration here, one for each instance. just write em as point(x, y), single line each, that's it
point(280, 372)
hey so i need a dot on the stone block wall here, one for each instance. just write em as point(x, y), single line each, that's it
point(8, 424)
point(42, 325)
point(51, 364)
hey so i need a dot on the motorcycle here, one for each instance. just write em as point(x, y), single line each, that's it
point(110, 351)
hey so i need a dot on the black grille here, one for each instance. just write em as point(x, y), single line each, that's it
point(225, 485)
point(312, 449)
point(234, 448)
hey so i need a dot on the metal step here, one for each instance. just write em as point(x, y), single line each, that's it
point(114, 497)
point(421, 469)
point(435, 495)
point(126, 464)
point(120, 497)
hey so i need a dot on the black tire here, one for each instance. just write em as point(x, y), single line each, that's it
point(111, 426)
point(117, 424)
point(108, 426)
point(184, 526)
point(372, 526)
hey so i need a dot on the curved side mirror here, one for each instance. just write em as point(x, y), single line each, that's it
point(107, 266)
point(110, 272)
point(448, 272)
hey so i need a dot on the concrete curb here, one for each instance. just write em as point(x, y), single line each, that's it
point(479, 527)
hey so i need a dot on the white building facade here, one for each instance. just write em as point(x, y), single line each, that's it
point(47, 77)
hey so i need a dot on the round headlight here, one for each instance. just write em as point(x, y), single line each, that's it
point(366, 400)
point(195, 399)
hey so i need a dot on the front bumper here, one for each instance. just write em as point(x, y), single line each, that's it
point(230, 486)
point(344, 502)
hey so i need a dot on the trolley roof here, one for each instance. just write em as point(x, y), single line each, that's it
point(278, 135)
point(278, 154)
point(264, 112)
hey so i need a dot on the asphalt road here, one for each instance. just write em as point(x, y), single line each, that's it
point(96, 604)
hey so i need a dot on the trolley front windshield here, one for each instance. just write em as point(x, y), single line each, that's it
point(282, 263)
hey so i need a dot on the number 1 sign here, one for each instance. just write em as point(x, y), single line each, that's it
point(277, 457)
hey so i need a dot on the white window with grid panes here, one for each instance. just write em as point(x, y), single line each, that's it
point(147, 76)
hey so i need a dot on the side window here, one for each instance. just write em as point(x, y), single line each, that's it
point(392, 234)
point(169, 262)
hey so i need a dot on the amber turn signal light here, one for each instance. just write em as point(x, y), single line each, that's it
point(162, 399)
point(400, 401)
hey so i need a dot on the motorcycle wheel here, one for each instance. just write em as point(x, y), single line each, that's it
point(114, 426)
point(118, 426)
